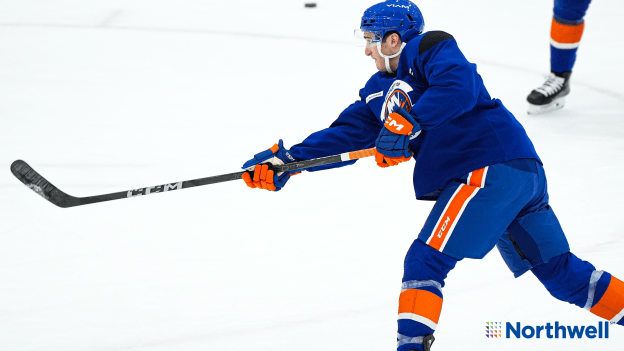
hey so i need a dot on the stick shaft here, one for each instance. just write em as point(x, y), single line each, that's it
point(48, 191)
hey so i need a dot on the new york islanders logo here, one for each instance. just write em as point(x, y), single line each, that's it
point(398, 95)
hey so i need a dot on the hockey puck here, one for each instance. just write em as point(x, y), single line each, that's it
point(310, 4)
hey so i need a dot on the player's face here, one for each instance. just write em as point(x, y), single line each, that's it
point(371, 50)
point(386, 48)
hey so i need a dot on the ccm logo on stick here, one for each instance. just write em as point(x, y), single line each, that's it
point(155, 189)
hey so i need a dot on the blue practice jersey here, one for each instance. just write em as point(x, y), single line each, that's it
point(463, 128)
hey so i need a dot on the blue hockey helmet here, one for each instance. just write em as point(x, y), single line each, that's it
point(399, 16)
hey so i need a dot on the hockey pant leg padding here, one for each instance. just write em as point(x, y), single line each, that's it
point(420, 302)
point(570, 279)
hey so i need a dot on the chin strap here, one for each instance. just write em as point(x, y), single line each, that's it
point(387, 58)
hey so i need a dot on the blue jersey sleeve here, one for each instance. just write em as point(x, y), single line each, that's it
point(356, 128)
point(453, 84)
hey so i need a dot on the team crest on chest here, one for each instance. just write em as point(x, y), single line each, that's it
point(398, 95)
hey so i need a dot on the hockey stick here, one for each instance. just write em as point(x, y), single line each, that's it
point(41, 186)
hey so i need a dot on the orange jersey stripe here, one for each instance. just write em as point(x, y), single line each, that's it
point(566, 34)
point(422, 303)
point(451, 214)
point(612, 302)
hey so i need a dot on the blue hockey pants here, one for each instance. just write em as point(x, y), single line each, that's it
point(503, 205)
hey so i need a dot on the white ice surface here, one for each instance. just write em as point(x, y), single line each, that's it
point(104, 96)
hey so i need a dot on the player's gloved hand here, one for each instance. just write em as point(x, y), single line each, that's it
point(260, 171)
point(393, 140)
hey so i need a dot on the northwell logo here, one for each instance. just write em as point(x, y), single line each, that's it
point(549, 331)
point(493, 329)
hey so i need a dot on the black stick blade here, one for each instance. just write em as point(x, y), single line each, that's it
point(22, 171)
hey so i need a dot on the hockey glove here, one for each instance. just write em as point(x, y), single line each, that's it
point(393, 140)
point(261, 173)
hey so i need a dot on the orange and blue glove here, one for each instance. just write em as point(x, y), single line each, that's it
point(260, 171)
point(393, 140)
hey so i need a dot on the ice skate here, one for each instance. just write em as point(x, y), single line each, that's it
point(427, 342)
point(551, 95)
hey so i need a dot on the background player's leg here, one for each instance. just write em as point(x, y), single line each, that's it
point(565, 37)
point(565, 34)
point(420, 302)
point(575, 281)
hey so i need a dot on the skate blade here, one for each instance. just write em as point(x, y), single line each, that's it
point(540, 109)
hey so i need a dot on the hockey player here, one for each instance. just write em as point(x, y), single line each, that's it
point(565, 36)
point(472, 156)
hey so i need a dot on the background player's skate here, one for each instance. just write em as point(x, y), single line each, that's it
point(551, 95)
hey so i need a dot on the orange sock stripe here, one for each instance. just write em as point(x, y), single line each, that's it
point(612, 302)
point(451, 215)
point(422, 303)
point(566, 34)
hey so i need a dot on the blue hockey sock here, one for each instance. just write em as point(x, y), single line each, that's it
point(565, 38)
point(420, 303)
point(570, 279)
